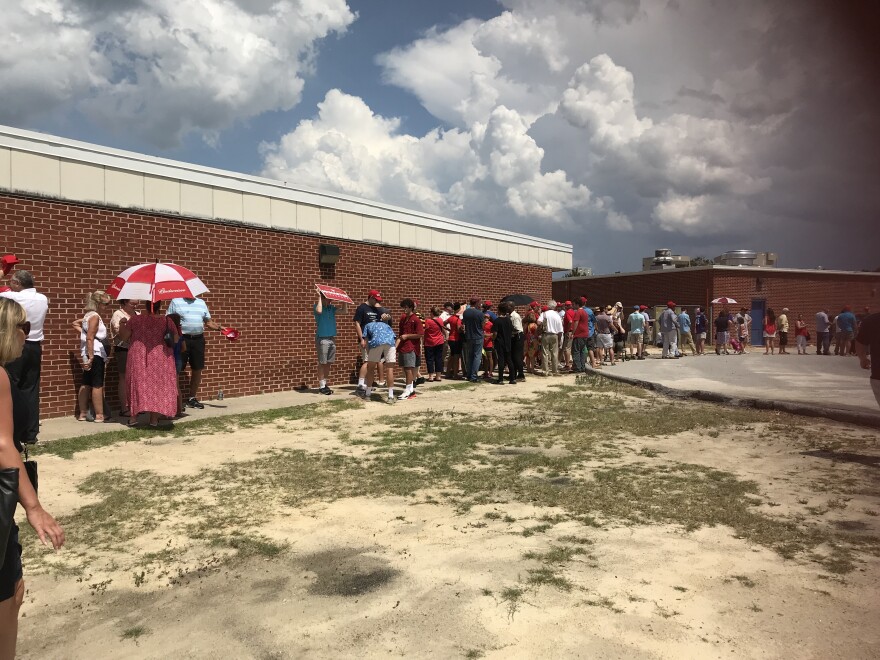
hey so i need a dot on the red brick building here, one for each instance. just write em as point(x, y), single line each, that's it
point(802, 291)
point(76, 215)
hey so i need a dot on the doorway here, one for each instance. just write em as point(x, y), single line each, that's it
point(757, 314)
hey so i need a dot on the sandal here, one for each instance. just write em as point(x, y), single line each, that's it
point(82, 418)
point(100, 420)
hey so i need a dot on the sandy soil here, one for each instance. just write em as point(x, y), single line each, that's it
point(415, 577)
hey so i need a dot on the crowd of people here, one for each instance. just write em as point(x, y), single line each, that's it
point(459, 340)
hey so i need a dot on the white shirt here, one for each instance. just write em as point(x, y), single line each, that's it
point(552, 322)
point(36, 305)
point(97, 344)
point(516, 320)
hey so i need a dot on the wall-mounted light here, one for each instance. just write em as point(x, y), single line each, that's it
point(328, 254)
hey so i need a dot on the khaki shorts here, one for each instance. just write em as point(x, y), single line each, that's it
point(386, 351)
point(567, 340)
point(635, 338)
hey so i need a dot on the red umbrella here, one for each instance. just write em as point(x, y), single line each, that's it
point(156, 281)
point(724, 301)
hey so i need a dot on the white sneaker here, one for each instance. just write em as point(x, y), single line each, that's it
point(405, 396)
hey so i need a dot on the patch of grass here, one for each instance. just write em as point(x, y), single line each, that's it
point(557, 554)
point(548, 576)
point(492, 515)
point(681, 589)
point(134, 632)
point(745, 581)
point(453, 386)
point(665, 612)
point(250, 545)
point(472, 654)
point(603, 602)
point(754, 608)
point(68, 447)
point(512, 597)
point(536, 529)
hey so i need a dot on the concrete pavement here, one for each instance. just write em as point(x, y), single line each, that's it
point(830, 382)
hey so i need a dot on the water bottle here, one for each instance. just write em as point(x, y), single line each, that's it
point(220, 395)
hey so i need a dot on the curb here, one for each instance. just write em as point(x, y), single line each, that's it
point(871, 420)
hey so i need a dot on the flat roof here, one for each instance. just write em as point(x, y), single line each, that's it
point(764, 270)
point(554, 254)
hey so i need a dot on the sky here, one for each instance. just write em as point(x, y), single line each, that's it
point(619, 126)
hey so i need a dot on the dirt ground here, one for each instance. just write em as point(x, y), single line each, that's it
point(549, 519)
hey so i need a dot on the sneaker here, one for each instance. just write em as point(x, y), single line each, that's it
point(326, 390)
point(391, 399)
point(195, 403)
point(405, 396)
point(419, 380)
point(362, 388)
point(361, 394)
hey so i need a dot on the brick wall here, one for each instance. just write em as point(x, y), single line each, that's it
point(261, 281)
point(685, 288)
point(803, 293)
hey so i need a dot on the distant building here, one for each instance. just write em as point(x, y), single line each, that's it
point(663, 259)
point(756, 288)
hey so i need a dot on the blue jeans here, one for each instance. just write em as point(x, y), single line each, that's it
point(476, 348)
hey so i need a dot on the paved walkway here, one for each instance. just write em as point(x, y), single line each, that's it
point(832, 382)
point(828, 381)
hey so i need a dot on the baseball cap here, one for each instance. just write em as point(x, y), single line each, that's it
point(583, 299)
point(785, 309)
point(618, 304)
point(487, 303)
point(534, 303)
point(7, 262)
point(642, 308)
point(568, 303)
point(636, 307)
point(372, 293)
point(544, 308)
point(670, 304)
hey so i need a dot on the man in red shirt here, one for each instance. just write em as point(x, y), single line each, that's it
point(567, 314)
point(453, 324)
point(409, 342)
point(580, 330)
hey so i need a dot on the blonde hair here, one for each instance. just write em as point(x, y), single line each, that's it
point(94, 299)
point(11, 316)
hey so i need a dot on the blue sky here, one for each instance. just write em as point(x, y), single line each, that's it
point(619, 126)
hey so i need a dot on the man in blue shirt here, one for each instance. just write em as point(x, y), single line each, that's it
point(636, 337)
point(325, 340)
point(846, 330)
point(473, 320)
point(194, 318)
point(687, 339)
point(380, 339)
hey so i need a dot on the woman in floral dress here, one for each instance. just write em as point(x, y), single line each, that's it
point(151, 374)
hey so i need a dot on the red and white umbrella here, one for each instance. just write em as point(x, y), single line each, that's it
point(724, 301)
point(156, 281)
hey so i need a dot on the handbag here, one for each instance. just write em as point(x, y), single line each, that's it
point(8, 502)
point(169, 340)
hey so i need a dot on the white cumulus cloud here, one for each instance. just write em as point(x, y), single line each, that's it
point(161, 68)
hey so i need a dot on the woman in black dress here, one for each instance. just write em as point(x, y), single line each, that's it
point(13, 421)
point(503, 329)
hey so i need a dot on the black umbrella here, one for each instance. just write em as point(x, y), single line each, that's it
point(518, 299)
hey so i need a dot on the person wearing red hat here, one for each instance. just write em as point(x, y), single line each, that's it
point(367, 312)
point(7, 263)
point(669, 325)
point(487, 310)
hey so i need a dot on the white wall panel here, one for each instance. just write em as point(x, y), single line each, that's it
point(372, 229)
point(466, 245)
point(308, 218)
point(352, 226)
point(82, 181)
point(407, 235)
point(162, 194)
point(390, 232)
point(453, 243)
point(5, 168)
point(228, 204)
point(331, 222)
point(35, 173)
point(124, 188)
point(423, 238)
point(196, 201)
point(438, 241)
point(283, 214)
point(256, 209)
point(491, 249)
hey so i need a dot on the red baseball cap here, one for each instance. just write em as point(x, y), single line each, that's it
point(643, 307)
point(544, 308)
point(583, 299)
point(568, 303)
point(670, 304)
point(372, 293)
point(487, 303)
point(7, 262)
point(231, 334)
point(534, 303)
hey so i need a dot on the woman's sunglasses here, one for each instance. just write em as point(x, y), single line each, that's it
point(26, 327)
